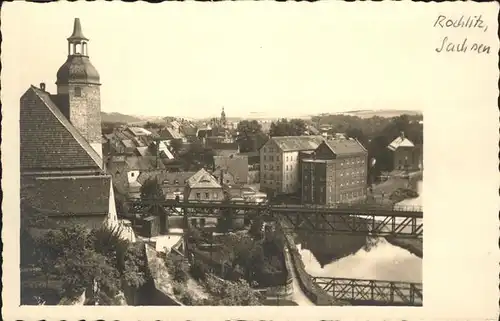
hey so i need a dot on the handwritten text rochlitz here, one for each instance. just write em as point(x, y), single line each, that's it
point(465, 45)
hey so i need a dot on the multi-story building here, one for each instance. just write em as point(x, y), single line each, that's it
point(336, 172)
point(279, 162)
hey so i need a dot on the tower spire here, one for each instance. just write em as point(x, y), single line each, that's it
point(77, 42)
point(77, 32)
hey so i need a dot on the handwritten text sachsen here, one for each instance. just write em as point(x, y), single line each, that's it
point(464, 45)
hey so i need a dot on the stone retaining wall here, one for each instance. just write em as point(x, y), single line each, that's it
point(313, 291)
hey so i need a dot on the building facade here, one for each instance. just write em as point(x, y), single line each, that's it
point(336, 173)
point(279, 163)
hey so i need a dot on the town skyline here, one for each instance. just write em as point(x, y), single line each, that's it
point(201, 71)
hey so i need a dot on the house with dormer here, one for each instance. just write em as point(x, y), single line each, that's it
point(203, 186)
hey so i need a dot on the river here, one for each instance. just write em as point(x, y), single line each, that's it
point(346, 257)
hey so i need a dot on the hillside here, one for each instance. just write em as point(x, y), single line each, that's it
point(118, 118)
point(380, 113)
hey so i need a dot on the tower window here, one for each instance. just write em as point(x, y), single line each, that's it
point(78, 92)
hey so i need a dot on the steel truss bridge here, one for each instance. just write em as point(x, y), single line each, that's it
point(371, 292)
point(364, 219)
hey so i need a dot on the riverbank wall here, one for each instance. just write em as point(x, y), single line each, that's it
point(157, 290)
point(313, 291)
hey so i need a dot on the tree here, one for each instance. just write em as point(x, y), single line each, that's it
point(197, 156)
point(95, 261)
point(85, 269)
point(248, 131)
point(177, 267)
point(69, 255)
point(176, 145)
point(228, 293)
point(126, 257)
point(151, 189)
point(152, 125)
point(256, 228)
point(284, 127)
point(356, 133)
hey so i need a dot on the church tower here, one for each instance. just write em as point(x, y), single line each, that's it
point(78, 89)
point(223, 121)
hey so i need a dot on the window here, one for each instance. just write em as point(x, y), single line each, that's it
point(272, 158)
point(215, 196)
point(198, 196)
point(287, 158)
point(264, 157)
point(78, 92)
point(265, 167)
point(176, 181)
point(277, 158)
point(207, 195)
point(286, 167)
point(330, 190)
point(132, 174)
point(321, 189)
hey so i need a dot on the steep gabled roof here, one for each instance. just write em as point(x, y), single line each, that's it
point(400, 141)
point(48, 140)
point(203, 179)
point(297, 143)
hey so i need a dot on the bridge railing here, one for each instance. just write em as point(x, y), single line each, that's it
point(372, 291)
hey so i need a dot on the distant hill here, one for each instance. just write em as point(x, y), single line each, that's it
point(119, 118)
point(381, 113)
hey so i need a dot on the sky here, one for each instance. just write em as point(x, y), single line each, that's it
point(192, 59)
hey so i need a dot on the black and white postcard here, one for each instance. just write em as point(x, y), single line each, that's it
point(276, 160)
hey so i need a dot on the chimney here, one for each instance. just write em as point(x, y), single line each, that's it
point(42, 86)
point(402, 135)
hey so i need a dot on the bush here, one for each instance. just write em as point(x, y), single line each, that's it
point(177, 268)
point(199, 270)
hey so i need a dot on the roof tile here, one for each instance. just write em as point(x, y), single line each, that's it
point(297, 143)
point(48, 140)
point(83, 195)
